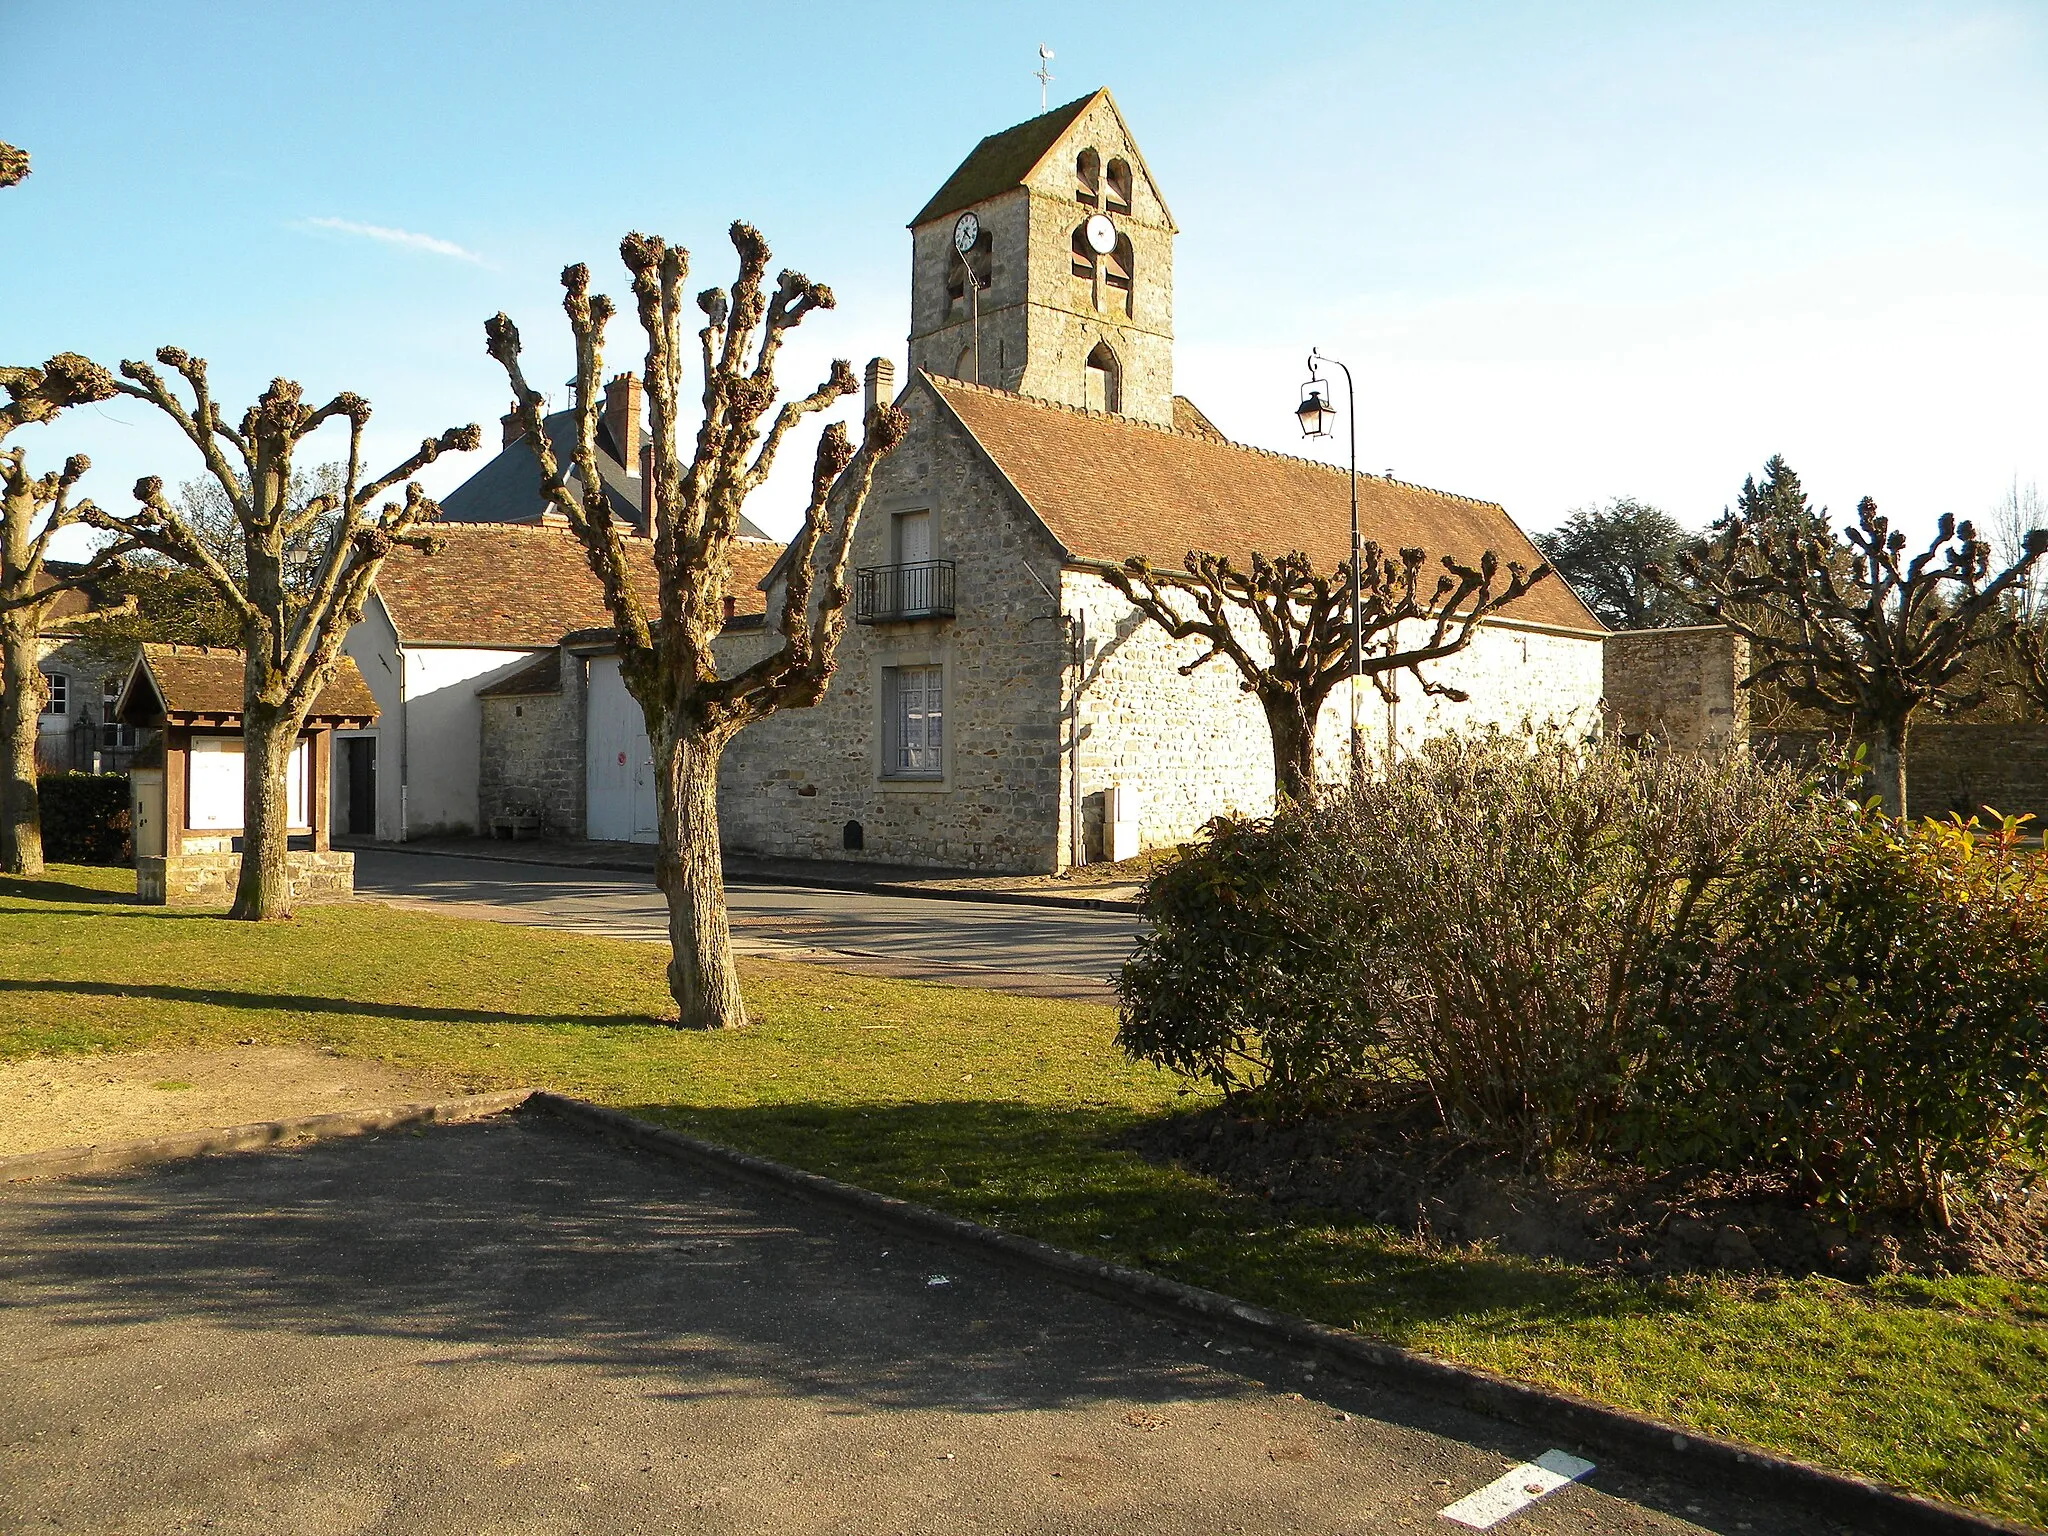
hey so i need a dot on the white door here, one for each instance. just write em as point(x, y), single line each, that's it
point(617, 771)
point(645, 827)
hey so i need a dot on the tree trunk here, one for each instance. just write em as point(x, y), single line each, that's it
point(264, 889)
point(701, 975)
point(21, 816)
point(1294, 753)
point(1888, 765)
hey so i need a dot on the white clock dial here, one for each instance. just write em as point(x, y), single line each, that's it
point(965, 233)
point(1101, 234)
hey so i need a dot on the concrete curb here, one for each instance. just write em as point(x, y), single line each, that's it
point(762, 877)
point(249, 1138)
point(1643, 1442)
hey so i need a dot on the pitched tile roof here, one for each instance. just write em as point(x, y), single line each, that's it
point(541, 675)
point(507, 488)
point(1107, 488)
point(1002, 160)
point(184, 682)
point(499, 585)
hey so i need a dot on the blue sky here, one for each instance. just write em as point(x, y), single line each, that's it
point(1572, 251)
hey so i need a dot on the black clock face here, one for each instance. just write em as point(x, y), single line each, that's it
point(965, 233)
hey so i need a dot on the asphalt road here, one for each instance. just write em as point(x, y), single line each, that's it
point(1038, 951)
point(511, 1326)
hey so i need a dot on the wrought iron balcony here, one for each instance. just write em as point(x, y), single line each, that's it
point(887, 593)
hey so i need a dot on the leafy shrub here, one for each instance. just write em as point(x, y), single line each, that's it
point(1247, 974)
point(86, 818)
point(1873, 1022)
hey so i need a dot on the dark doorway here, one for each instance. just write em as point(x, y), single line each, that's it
point(362, 786)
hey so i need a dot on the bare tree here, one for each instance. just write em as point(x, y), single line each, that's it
point(668, 661)
point(33, 510)
point(1287, 629)
point(291, 632)
point(1874, 643)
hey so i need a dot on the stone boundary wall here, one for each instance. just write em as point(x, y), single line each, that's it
point(1678, 684)
point(208, 879)
point(1953, 766)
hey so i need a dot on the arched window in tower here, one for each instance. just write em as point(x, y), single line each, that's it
point(1104, 380)
point(982, 260)
point(1088, 178)
point(1117, 198)
point(1118, 269)
point(1084, 254)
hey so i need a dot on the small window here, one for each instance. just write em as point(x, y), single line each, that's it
point(112, 732)
point(1104, 381)
point(853, 837)
point(1088, 178)
point(1118, 197)
point(913, 734)
point(57, 690)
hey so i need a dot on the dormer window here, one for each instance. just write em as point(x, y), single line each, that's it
point(1118, 196)
point(1088, 178)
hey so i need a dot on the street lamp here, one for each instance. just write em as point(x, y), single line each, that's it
point(1318, 418)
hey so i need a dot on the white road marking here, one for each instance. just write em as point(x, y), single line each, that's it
point(1517, 1489)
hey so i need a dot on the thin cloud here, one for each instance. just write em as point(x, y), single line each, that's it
point(404, 237)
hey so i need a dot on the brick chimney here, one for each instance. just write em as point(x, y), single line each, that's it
point(513, 431)
point(622, 418)
point(881, 386)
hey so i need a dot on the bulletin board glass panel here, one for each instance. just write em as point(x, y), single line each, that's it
point(214, 784)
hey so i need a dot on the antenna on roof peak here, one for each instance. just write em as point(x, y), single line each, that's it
point(1044, 74)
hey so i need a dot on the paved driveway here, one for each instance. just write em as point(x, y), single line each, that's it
point(512, 1327)
point(1039, 951)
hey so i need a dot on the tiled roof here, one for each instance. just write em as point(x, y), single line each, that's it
point(184, 681)
point(1107, 488)
point(1002, 161)
point(511, 586)
point(507, 488)
point(1188, 417)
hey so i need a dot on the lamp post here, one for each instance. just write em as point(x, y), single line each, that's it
point(1317, 417)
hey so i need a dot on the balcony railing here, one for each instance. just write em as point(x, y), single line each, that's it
point(884, 593)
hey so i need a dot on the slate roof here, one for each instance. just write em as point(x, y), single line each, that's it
point(1002, 161)
point(541, 675)
point(507, 489)
point(1107, 487)
point(186, 684)
point(515, 587)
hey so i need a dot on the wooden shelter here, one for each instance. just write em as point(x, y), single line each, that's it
point(188, 806)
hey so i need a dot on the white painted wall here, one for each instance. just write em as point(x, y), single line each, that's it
point(619, 769)
point(430, 725)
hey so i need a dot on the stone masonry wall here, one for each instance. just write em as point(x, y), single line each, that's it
point(792, 782)
point(532, 755)
point(1679, 684)
point(208, 879)
point(1954, 766)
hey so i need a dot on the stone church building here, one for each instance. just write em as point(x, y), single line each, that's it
point(997, 705)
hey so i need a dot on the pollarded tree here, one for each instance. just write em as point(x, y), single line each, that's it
point(1287, 629)
point(291, 629)
point(33, 510)
point(1862, 631)
point(13, 166)
point(668, 660)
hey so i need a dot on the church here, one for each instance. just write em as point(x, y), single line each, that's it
point(997, 705)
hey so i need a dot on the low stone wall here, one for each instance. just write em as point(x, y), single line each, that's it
point(208, 879)
point(1954, 766)
point(1678, 685)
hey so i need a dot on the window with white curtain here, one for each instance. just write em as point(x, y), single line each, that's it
point(913, 735)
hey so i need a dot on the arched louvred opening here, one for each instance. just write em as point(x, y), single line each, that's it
point(1119, 271)
point(1104, 380)
point(964, 368)
point(981, 259)
point(1117, 195)
point(1083, 254)
point(1088, 178)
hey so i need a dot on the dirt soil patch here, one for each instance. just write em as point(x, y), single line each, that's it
point(82, 1101)
point(1400, 1169)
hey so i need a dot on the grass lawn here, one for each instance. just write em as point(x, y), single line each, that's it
point(999, 1108)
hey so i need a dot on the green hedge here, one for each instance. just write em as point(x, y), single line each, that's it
point(86, 818)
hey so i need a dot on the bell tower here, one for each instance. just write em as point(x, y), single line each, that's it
point(1044, 266)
